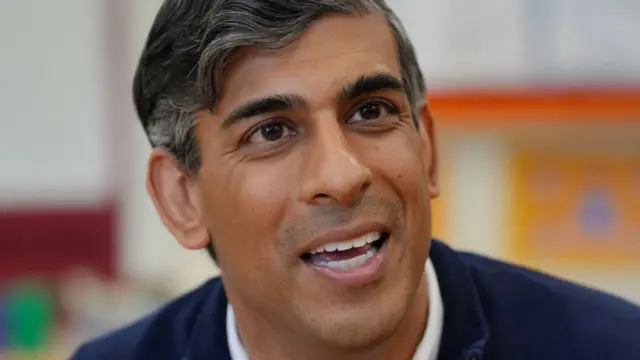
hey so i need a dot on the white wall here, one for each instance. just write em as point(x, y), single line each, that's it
point(507, 41)
point(52, 147)
point(462, 41)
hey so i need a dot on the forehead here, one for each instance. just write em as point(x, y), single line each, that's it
point(336, 49)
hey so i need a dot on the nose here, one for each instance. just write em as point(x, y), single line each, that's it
point(334, 174)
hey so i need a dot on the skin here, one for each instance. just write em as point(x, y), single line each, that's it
point(328, 161)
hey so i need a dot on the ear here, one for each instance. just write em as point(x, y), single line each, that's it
point(429, 139)
point(177, 198)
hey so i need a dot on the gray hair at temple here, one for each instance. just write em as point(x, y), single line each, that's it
point(183, 62)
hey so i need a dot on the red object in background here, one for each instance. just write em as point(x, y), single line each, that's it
point(508, 106)
point(49, 242)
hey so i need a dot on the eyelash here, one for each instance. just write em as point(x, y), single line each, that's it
point(257, 127)
point(390, 107)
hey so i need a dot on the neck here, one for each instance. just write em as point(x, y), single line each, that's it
point(263, 342)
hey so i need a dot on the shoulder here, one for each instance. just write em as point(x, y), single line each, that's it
point(546, 311)
point(163, 334)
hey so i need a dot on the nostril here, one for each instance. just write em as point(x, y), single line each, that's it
point(365, 186)
point(323, 199)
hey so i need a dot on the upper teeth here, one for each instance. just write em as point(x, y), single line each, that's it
point(363, 240)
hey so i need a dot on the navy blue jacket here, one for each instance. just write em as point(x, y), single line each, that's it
point(493, 311)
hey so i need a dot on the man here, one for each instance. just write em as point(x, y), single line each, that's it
point(292, 140)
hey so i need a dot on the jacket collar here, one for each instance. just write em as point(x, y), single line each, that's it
point(209, 336)
point(466, 332)
point(464, 335)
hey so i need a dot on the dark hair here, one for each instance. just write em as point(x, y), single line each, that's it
point(190, 42)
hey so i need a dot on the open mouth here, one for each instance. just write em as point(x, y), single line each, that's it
point(347, 254)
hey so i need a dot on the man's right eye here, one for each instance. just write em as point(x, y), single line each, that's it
point(270, 132)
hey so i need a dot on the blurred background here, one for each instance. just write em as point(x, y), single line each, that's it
point(538, 106)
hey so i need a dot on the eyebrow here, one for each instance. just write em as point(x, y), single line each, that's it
point(370, 83)
point(261, 106)
point(363, 85)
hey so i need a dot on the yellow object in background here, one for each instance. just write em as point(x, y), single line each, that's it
point(440, 207)
point(575, 208)
point(439, 228)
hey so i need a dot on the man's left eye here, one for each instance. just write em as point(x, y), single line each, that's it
point(371, 111)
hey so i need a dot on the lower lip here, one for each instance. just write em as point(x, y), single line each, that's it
point(370, 271)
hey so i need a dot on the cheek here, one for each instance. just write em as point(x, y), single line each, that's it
point(402, 161)
point(246, 211)
point(246, 208)
point(408, 173)
point(402, 164)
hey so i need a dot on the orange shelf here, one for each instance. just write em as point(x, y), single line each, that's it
point(502, 106)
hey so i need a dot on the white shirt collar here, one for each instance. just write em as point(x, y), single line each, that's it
point(427, 349)
point(430, 344)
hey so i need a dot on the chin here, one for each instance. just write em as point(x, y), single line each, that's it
point(359, 326)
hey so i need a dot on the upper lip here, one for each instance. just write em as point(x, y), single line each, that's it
point(344, 233)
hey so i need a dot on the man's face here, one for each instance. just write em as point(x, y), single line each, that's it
point(311, 151)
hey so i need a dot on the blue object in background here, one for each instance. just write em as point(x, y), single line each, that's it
point(598, 214)
point(3, 322)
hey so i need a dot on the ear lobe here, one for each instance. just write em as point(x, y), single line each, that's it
point(177, 198)
point(429, 138)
